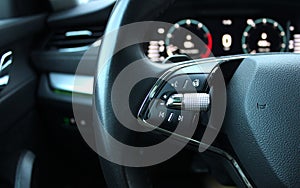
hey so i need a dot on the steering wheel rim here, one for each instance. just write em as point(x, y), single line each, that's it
point(125, 13)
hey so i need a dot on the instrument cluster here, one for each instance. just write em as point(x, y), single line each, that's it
point(219, 37)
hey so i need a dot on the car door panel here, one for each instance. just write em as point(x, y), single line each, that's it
point(18, 125)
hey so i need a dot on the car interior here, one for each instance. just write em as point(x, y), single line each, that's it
point(221, 75)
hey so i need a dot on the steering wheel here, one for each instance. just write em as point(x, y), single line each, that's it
point(262, 107)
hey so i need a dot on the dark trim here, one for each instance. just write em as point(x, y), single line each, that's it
point(15, 28)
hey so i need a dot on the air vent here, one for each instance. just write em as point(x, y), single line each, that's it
point(74, 40)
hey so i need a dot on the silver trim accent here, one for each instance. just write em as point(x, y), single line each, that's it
point(24, 170)
point(189, 101)
point(175, 102)
point(4, 80)
point(65, 82)
point(75, 49)
point(160, 83)
point(79, 33)
point(6, 60)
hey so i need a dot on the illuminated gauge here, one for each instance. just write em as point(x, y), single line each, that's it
point(156, 51)
point(156, 48)
point(189, 37)
point(263, 35)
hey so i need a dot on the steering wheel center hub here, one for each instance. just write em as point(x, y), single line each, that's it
point(263, 113)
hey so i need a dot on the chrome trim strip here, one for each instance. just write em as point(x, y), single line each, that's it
point(65, 82)
point(75, 49)
point(78, 33)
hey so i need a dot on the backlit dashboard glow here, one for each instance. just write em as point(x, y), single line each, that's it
point(227, 36)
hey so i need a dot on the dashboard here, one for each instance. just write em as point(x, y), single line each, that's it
point(201, 37)
point(222, 27)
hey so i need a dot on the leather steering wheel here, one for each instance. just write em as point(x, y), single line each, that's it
point(261, 123)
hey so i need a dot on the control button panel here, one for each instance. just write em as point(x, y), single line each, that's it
point(160, 115)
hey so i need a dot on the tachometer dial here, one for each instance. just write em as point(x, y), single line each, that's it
point(263, 35)
point(189, 37)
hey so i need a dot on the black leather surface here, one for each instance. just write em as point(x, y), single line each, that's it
point(125, 11)
point(262, 120)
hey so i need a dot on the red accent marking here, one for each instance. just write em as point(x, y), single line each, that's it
point(208, 46)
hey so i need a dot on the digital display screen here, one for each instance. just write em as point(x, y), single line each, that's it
point(220, 37)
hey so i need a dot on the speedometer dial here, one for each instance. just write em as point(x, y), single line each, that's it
point(189, 37)
point(263, 35)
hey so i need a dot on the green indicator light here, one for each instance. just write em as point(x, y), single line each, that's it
point(66, 121)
